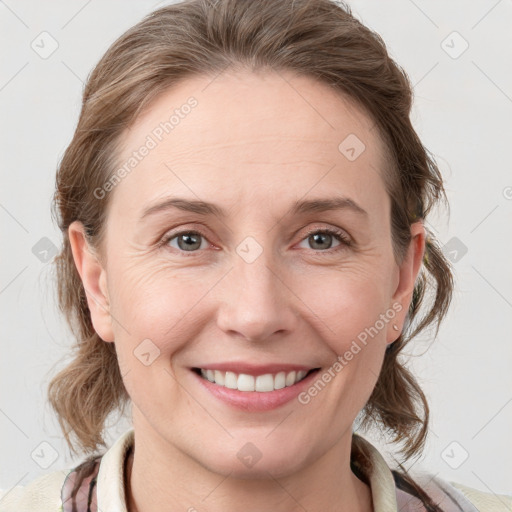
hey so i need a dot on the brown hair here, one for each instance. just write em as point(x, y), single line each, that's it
point(319, 39)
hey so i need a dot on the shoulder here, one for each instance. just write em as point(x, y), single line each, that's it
point(459, 497)
point(45, 493)
point(392, 491)
point(485, 501)
point(41, 495)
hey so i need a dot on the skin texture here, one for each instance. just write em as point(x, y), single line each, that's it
point(253, 145)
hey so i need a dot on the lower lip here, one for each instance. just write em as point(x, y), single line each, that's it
point(256, 401)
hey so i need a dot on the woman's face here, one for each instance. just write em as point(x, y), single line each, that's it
point(249, 272)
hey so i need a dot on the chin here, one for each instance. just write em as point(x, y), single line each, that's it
point(250, 463)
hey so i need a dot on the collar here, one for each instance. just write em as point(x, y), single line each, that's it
point(386, 497)
point(111, 493)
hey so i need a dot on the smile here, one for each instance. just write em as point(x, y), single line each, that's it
point(265, 383)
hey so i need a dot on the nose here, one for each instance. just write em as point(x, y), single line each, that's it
point(256, 301)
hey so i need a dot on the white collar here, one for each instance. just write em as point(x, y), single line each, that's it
point(111, 493)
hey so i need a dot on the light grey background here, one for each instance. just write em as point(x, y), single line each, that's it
point(462, 112)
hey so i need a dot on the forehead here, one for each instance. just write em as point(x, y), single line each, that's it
point(271, 133)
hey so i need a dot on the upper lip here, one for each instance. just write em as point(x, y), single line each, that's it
point(254, 369)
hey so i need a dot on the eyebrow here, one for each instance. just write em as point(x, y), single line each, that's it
point(298, 207)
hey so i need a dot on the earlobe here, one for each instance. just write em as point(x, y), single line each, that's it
point(94, 281)
point(408, 273)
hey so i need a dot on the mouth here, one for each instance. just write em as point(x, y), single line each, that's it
point(262, 383)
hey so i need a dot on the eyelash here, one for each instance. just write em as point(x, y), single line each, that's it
point(339, 235)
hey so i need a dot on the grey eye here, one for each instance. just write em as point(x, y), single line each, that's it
point(321, 240)
point(187, 241)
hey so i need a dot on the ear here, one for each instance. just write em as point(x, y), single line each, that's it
point(407, 273)
point(94, 280)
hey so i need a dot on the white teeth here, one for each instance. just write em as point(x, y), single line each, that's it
point(230, 380)
point(290, 378)
point(280, 380)
point(245, 382)
point(262, 383)
point(219, 377)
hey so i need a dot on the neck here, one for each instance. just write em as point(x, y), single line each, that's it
point(184, 486)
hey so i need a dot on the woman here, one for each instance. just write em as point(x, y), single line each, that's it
point(244, 259)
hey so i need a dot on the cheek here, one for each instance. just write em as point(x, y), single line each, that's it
point(158, 303)
point(152, 308)
point(351, 319)
point(347, 311)
point(345, 302)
